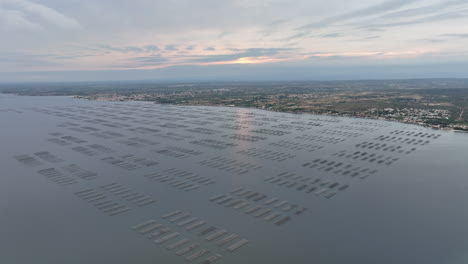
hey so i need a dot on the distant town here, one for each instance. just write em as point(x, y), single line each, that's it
point(436, 103)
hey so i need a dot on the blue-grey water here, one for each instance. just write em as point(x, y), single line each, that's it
point(352, 190)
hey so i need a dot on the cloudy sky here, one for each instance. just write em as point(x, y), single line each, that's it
point(55, 40)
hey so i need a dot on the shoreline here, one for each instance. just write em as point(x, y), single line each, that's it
point(297, 113)
point(453, 129)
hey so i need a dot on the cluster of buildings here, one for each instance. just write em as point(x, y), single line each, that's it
point(436, 118)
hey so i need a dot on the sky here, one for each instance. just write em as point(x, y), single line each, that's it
point(73, 40)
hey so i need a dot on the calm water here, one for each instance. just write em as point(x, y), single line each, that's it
point(349, 190)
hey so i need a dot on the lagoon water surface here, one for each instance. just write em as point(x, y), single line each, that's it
point(133, 182)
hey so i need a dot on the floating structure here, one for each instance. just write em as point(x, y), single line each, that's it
point(178, 244)
point(208, 230)
point(144, 224)
point(216, 197)
point(166, 238)
point(179, 217)
point(195, 225)
point(226, 240)
point(197, 255)
point(173, 213)
point(160, 232)
point(216, 234)
point(257, 202)
point(283, 220)
point(182, 231)
point(238, 245)
point(187, 249)
point(272, 216)
point(56, 176)
point(188, 221)
point(212, 259)
point(151, 228)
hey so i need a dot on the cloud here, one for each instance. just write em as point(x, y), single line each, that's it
point(122, 49)
point(426, 19)
point(441, 11)
point(206, 32)
point(183, 57)
point(454, 35)
point(150, 59)
point(336, 57)
point(371, 37)
point(37, 14)
point(144, 61)
point(131, 49)
point(171, 47)
point(279, 22)
point(309, 35)
point(370, 56)
point(360, 13)
point(442, 38)
point(296, 36)
point(425, 10)
point(11, 61)
point(273, 27)
point(241, 53)
point(331, 35)
point(224, 34)
point(72, 57)
point(151, 48)
point(433, 40)
point(12, 19)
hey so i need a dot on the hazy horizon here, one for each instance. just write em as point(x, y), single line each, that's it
point(233, 73)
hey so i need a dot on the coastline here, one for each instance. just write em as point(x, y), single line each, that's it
point(298, 113)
